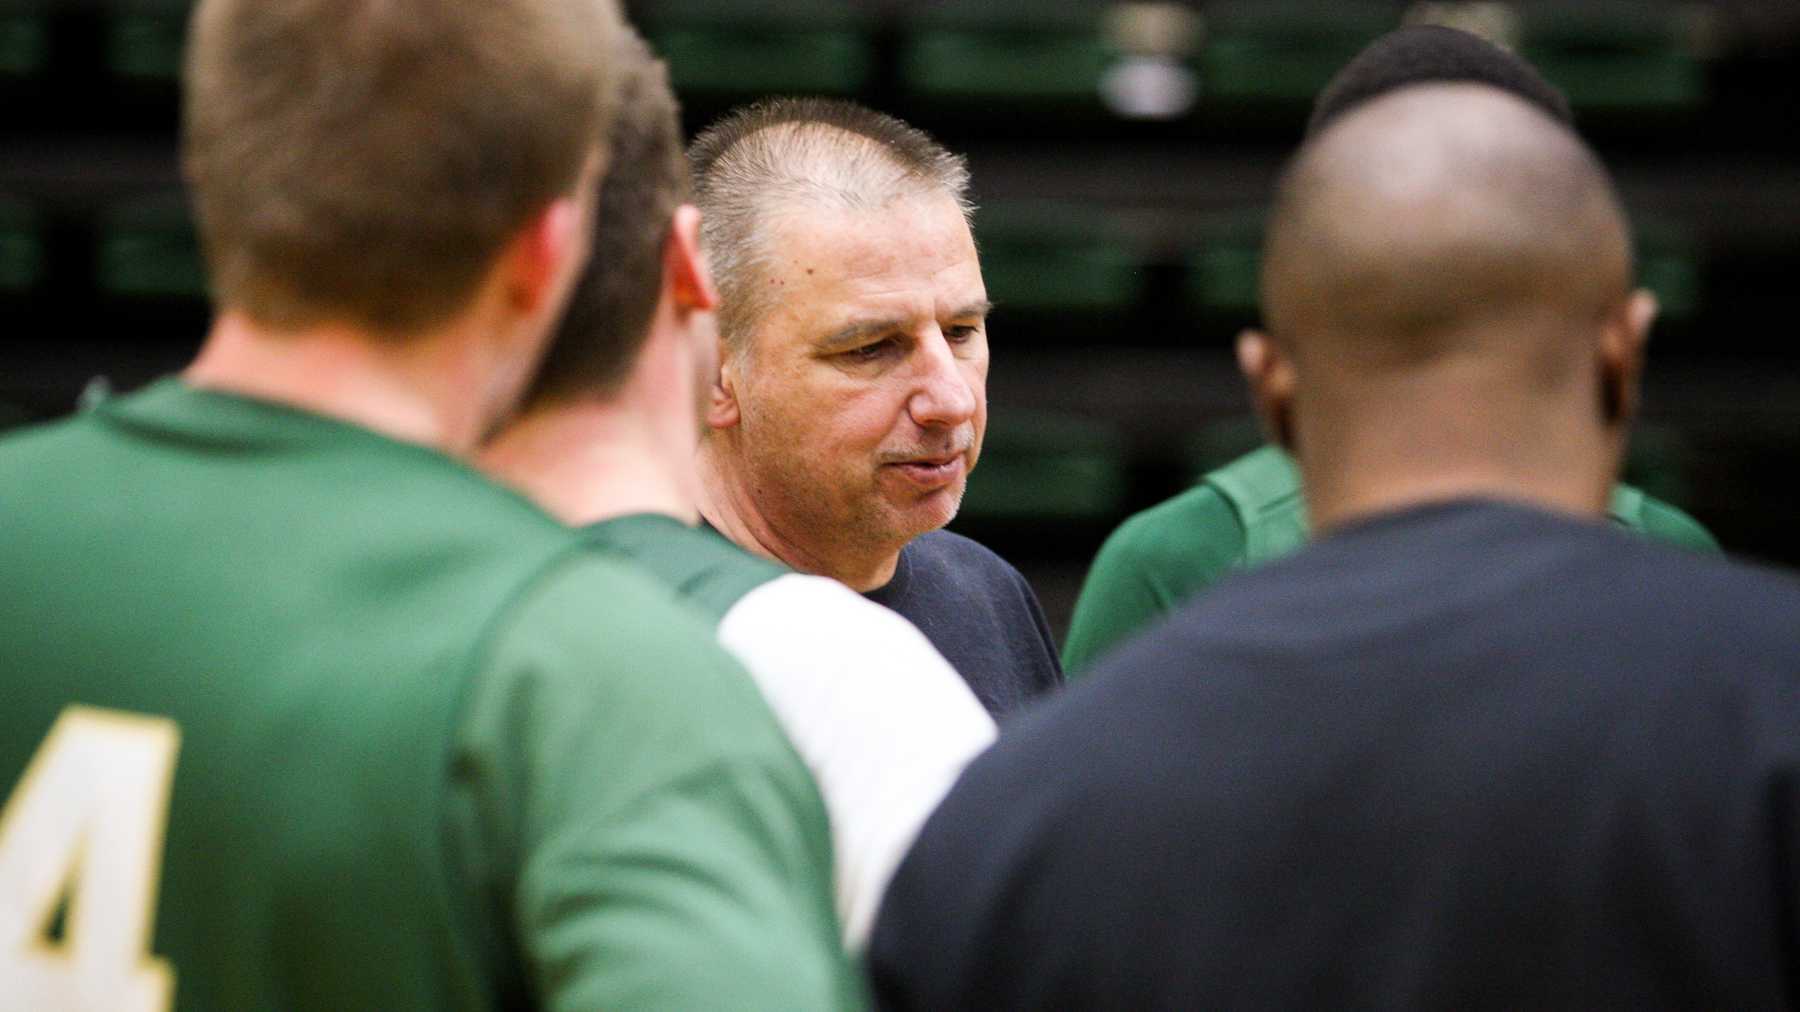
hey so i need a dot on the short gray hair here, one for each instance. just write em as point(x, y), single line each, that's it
point(826, 152)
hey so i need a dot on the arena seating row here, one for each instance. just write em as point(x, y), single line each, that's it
point(1155, 60)
point(1047, 258)
point(111, 61)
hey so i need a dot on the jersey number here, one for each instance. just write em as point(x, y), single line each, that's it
point(87, 822)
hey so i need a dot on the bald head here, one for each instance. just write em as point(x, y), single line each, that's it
point(1446, 283)
point(1436, 216)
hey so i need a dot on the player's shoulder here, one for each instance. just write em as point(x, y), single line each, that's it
point(590, 627)
point(1658, 520)
point(698, 563)
point(1199, 521)
point(32, 446)
point(1259, 481)
point(579, 596)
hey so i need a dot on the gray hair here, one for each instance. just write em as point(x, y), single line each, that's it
point(824, 152)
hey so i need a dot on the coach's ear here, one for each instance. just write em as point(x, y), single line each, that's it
point(722, 410)
point(685, 272)
point(1271, 377)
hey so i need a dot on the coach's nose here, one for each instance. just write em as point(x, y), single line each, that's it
point(945, 396)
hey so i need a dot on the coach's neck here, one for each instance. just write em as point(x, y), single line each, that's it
point(728, 504)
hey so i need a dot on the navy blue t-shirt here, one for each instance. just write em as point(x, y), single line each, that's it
point(1470, 755)
point(980, 614)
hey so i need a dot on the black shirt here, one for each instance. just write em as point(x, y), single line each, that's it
point(979, 613)
point(1467, 755)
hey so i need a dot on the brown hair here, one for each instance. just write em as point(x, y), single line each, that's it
point(609, 313)
point(826, 151)
point(366, 160)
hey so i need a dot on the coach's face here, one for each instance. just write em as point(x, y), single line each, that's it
point(860, 397)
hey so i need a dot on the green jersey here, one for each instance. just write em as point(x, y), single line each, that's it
point(1243, 514)
point(882, 720)
point(298, 716)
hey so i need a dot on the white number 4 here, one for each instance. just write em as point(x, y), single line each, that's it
point(87, 820)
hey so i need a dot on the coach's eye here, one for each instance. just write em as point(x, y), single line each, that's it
point(959, 332)
point(870, 352)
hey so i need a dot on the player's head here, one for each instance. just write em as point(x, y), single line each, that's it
point(645, 255)
point(1424, 54)
point(851, 401)
point(1448, 244)
point(368, 164)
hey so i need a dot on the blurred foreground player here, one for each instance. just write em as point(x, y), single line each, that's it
point(852, 391)
point(301, 712)
point(1251, 510)
point(607, 440)
point(1475, 747)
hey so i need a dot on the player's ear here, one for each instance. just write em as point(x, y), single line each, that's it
point(544, 256)
point(1270, 374)
point(1623, 334)
point(685, 272)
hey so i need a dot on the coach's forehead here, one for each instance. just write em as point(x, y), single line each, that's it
point(912, 257)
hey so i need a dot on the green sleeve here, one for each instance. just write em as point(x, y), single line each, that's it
point(1152, 564)
point(656, 840)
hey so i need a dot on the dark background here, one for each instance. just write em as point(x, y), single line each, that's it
point(1121, 154)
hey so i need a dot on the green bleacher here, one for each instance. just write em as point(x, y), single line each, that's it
point(24, 42)
point(1613, 59)
point(1046, 467)
point(740, 48)
point(146, 249)
point(1279, 53)
point(1057, 256)
point(22, 248)
point(143, 40)
point(982, 51)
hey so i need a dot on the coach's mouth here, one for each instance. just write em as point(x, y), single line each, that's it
point(931, 472)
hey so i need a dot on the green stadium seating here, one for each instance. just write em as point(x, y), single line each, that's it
point(143, 40)
point(752, 47)
point(1057, 257)
point(1282, 52)
point(1045, 466)
point(1614, 58)
point(24, 42)
point(1669, 263)
point(1218, 443)
point(985, 51)
point(22, 248)
point(1222, 269)
point(147, 250)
